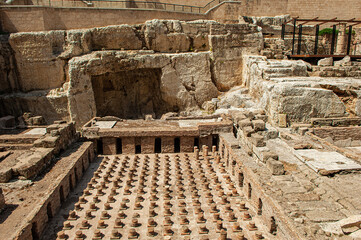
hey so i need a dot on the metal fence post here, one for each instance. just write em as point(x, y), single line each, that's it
point(333, 39)
point(316, 38)
point(349, 39)
point(293, 39)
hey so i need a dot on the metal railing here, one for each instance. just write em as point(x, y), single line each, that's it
point(120, 4)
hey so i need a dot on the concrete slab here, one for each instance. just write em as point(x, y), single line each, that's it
point(105, 124)
point(326, 161)
point(37, 131)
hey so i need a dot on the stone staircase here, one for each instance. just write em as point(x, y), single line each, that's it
point(17, 142)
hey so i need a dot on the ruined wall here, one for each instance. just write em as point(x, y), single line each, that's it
point(27, 18)
point(58, 70)
point(283, 87)
point(260, 199)
point(72, 164)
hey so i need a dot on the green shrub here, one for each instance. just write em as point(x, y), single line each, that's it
point(329, 31)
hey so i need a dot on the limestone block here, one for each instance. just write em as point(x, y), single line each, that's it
point(244, 123)
point(257, 140)
point(238, 116)
point(200, 42)
point(5, 175)
point(247, 131)
point(275, 167)
point(78, 42)
point(261, 117)
point(258, 125)
point(159, 37)
point(37, 59)
point(115, 38)
point(303, 103)
point(236, 97)
point(271, 133)
point(346, 61)
point(325, 62)
point(47, 142)
point(31, 163)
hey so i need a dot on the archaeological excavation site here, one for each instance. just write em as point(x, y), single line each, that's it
point(180, 119)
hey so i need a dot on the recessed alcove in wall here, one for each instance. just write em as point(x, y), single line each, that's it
point(129, 94)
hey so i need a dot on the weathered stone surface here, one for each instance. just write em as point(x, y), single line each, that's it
point(166, 36)
point(8, 76)
point(201, 42)
point(247, 131)
point(45, 59)
point(348, 225)
point(346, 61)
point(37, 59)
point(7, 122)
point(301, 98)
point(356, 235)
point(244, 123)
point(115, 37)
point(226, 51)
point(209, 106)
point(276, 167)
point(271, 133)
point(258, 125)
point(257, 140)
point(301, 103)
point(5, 175)
point(182, 85)
point(325, 62)
point(322, 215)
point(237, 98)
point(32, 162)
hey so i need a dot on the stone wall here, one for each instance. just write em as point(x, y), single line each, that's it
point(324, 9)
point(27, 18)
point(57, 70)
point(339, 133)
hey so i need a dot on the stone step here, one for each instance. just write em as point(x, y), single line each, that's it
point(278, 70)
point(278, 64)
point(14, 146)
point(18, 139)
